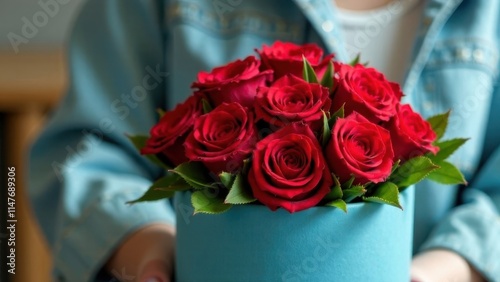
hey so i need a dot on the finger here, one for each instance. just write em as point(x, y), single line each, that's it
point(155, 271)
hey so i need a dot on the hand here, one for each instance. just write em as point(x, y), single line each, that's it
point(442, 266)
point(147, 255)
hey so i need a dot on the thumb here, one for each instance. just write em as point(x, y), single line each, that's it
point(156, 270)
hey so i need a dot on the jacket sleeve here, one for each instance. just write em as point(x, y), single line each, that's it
point(473, 229)
point(82, 168)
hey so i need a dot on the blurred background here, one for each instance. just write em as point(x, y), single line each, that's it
point(33, 35)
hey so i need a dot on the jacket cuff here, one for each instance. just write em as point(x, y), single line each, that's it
point(85, 247)
point(471, 231)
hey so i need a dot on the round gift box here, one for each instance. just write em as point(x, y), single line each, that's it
point(372, 242)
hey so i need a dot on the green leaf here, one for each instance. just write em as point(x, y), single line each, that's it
point(446, 149)
point(395, 166)
point(153, 194)
point(386, 193)
point(308, 72)
point(196, 175)
point(353, 192)
point(338, 114)
point(439, 123)
point(239, 193)
point(227, 179)
point(327, 133)
point(327, 80)
point(204, 202)
point(447, 174)
point(339, 203)
point(356, 60)
point(171, 182)
point(139, 142)
point(413, 171)
point(348, 183)
point(336, 192)
point(246, 166)
point(207, 108)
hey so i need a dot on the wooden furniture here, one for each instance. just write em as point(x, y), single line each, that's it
point(31, 83)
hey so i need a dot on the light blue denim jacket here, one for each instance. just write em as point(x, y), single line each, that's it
point(128, 58)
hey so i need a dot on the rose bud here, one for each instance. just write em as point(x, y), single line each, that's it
point(286, 58)
point(288, 170)
point(234, 82)
point(168, 135)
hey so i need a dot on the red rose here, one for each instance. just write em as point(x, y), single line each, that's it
point(286, 58)
point(223, 138)
point(234, 82)
point(288, 170)
point(361, 148)
point(168, 135)
point(366, 91)
point(292, 99)
point(412, 136)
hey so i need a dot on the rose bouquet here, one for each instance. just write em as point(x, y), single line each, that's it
point(299, 131)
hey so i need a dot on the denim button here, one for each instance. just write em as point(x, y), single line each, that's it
point(463, 54)
point(327, 26)
point(478, 55)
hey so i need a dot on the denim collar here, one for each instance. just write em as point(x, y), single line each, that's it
point(436, 13)
point(324, 18)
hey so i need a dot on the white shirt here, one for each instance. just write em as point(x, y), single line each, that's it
point(384, 37)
